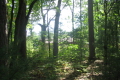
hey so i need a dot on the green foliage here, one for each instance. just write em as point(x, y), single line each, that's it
point(111, 71)
point(68, 52)
point(68, 2)
point(40, 65)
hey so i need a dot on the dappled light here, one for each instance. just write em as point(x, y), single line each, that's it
point(59, 39)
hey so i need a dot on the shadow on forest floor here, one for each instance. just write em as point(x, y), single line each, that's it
point(93, 72)
point(90, 72)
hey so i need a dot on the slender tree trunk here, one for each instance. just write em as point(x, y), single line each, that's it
point(48, 36)
point(55, 43)
point(81, 40)
point(43, 27)
point(105, 34)
point(81, 13)
point(91, 30)
point(11, 20)
point(73, 20)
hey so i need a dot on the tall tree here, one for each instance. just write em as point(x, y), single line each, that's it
point(73, 19)
point(11, 20)
point(20, 29)
point(105, 33)
point(55, 43)
point(20, 26)
point(3, 29)
point(3, 26)
point(45, 22)
point(91, 30)
point(43, 26)
point(3, 39)
point(48, 36)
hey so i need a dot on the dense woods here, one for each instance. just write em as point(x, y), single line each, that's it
point(77, 40)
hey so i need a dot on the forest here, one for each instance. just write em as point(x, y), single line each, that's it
point(59, 40)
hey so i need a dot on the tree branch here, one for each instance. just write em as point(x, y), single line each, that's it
point(110, 7)
point(12, 14)
point(30, 9)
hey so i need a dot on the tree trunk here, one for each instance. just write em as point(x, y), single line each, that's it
point(73, 21)
point(43, 27)
point(105, 34)
point(3, 27)
point(91, 30)
point(48, 36)
point(11, 20)
point(43, 34)
point(20, 29)
point(3, 40)
point(55, 43)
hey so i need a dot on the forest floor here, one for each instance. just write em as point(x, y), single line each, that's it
point(69, 71)
point(92, 72)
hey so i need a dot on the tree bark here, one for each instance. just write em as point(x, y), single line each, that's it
point(3, 28)
point(43, 27)
point(91, 30)
point(55, 43)
point(3, 40)
point(11, 20)
point(20, 29)
point(73, 21)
